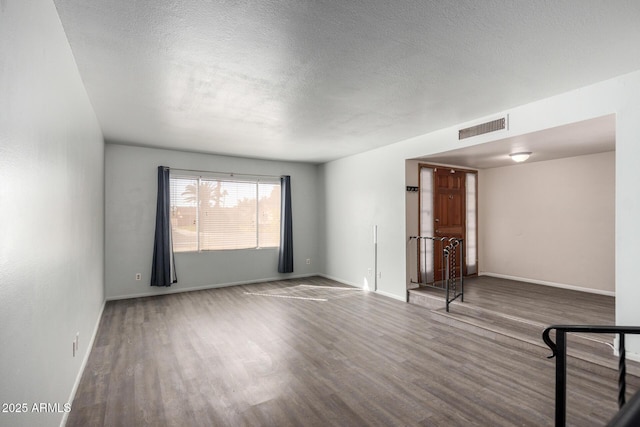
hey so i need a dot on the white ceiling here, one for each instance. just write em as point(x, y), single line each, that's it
point(318, 80)
point(576, 139)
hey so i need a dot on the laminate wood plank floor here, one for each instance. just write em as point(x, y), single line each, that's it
point(539, 303)
point(522, 310)
point(551, 305)
point(310, 352)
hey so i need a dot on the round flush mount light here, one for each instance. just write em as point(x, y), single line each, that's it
point(520, 157)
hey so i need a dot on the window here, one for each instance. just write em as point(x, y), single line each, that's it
point(210, 213)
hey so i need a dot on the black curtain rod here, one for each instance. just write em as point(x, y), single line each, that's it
point(224, 173)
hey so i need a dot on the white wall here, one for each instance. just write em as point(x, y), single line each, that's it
point(51, 213)
point(551, 222)
point(362, 192)
point(131, 191)
point(368, 188)
point(627, 214)
point(412, 178)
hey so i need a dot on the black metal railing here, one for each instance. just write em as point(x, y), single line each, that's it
point(559, 351)
point(452, 259)
point(629, 415)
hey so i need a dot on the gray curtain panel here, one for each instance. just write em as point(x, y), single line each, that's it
point(285, 259)
point(163, 272)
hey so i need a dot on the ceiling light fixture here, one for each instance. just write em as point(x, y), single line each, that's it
point(520, 157)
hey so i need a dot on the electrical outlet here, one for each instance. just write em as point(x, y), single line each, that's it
point(369, 272)
point(138, 276)
point(379, 274)
point(308, 260)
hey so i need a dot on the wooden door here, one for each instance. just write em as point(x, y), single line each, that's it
point(449, 213)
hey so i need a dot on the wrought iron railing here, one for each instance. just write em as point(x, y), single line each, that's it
point(629, 415)
point(451, 250)
point(559, 351)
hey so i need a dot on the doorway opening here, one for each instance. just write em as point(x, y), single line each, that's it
point(448, 210)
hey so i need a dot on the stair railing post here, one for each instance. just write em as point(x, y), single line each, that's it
point(561, 378)
point(462, 266)
point(446, 274)
point(622, 371)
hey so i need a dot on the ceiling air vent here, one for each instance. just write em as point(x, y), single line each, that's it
point(476, 130)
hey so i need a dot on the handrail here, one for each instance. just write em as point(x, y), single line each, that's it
point(449, 246)
point(559, 351)
point(629, 415)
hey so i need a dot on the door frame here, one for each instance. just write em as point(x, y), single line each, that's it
point(458, 169)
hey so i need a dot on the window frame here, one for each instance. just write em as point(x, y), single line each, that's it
point(200, 177)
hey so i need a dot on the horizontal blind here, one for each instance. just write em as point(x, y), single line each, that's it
point(269, 215)
point(227, 215)
point(184, 213)
point(219, 214)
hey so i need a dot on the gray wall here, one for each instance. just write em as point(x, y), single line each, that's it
point(368, 189)
point(550, 222)
point(131, 188)
point(51, 213)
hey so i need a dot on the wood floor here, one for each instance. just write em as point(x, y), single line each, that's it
point(309, 352)
point(552, 305)
point(522, 310)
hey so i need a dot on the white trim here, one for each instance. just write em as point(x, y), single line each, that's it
point(552, 284)
point(383, 293)
point(85, 359)
point(628, 355)
point(390, 295)
point(633, 356)
point(171, 290)
point(335, 279)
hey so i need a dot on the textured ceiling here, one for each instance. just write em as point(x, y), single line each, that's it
point(318, 80)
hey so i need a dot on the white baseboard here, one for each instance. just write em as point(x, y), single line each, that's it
point(632, 356)
point(627, 354)
point(383, 293)
point(552, 284)
point(172, 290)
point(390, 295)
point(344, 282)
point(85, 359)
